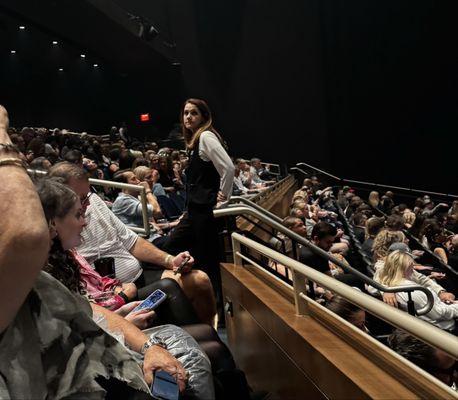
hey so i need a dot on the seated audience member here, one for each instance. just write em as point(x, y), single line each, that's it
point(359, 222)
point(453, 252)
point(74, 157)
point(353, 204)
point(395, 223)
point(323, 236)
point(348, 311)
point(432, 360)
point(50, 345)
point(397, 271)
point(260, 173)
point(434, 238)
point(284, 243)
point(374, 200)
point(416, 276)
point(409, 218)
point(127, 207)
point(373, 226)
point(40, 164)
point(63, 211)
point(239, 189)
point(106, 236)
point(246, 176)
point(151, 176)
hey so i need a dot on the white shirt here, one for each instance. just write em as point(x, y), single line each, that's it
point(441, 315)
point(106, 236)
point(210, 149)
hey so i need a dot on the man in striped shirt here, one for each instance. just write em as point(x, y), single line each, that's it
point(106, 236)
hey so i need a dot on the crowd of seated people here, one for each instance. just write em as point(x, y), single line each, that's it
point(378, 232)
point(68, 310)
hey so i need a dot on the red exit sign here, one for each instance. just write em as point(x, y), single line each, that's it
point(144, 117)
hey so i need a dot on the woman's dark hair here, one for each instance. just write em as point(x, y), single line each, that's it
point(57, 200)
point(343, 308)
point(140, 161)
point(323, 229)
point(431, 229)
point(37, 163)
point(126, 159)
point(417, 227)
point(207, 125)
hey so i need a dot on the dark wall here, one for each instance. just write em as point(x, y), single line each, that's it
point(365, 89)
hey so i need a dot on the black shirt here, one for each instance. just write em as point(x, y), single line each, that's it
point(312, 260)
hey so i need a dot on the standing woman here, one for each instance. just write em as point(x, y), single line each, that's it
point(209, 180)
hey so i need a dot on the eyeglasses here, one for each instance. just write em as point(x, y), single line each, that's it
point(85, 200)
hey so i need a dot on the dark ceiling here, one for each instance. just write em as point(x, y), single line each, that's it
point(120, 76)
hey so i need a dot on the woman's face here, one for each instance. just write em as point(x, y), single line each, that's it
point(69, 228)
point(192, 117)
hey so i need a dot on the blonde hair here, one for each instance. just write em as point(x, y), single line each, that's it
point(374, 199)
point(394, 270)
point(409, 217)
point(141, 172)
point(384, 240)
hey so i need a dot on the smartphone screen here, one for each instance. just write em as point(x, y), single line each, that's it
point(164, 386)
point(152, 301)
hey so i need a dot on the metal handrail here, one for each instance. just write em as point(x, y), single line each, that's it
point(415, 326)
point(146, 230)
point(342, 180)
point(240, 199)
point(270, 189)
point(241, 210)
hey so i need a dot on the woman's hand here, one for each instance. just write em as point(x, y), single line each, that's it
point(127, 308)
point(221, 197)
point(141, 319)
point(390, 299)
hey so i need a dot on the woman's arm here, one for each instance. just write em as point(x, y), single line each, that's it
point(24, 235)
point(212, 149)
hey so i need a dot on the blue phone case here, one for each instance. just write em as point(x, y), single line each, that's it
point(164, 386)
point(152, 301)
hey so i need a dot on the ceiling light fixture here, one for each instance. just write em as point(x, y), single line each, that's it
point(21, 27)
point(96, 65)
point(61, 69)
point(13, 51)
point(54, 42)
point(83, 55)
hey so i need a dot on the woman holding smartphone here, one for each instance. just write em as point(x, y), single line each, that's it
point(209, 180)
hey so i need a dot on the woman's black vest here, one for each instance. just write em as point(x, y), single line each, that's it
point(202, 180)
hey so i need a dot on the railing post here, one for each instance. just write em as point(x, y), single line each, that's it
point(299, 287)
point(237, 248)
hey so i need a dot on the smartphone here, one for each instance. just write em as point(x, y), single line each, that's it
point(182, 265)
point(152, 301)
point(164, 386)
point(105, 266)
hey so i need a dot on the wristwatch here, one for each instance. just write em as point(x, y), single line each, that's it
point(152, 341)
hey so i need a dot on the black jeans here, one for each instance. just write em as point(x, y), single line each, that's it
point(176, 309)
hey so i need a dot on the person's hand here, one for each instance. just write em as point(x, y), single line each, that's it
point(340, 233)
point(221, 197)
point(130, 290)
point(178, 260)
point(157, 358)
point(437, 275)
point(390, 299)
point(127, 308)
point(142, 318)
point(447, 297)
point(417, 253)
point(145, 185)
